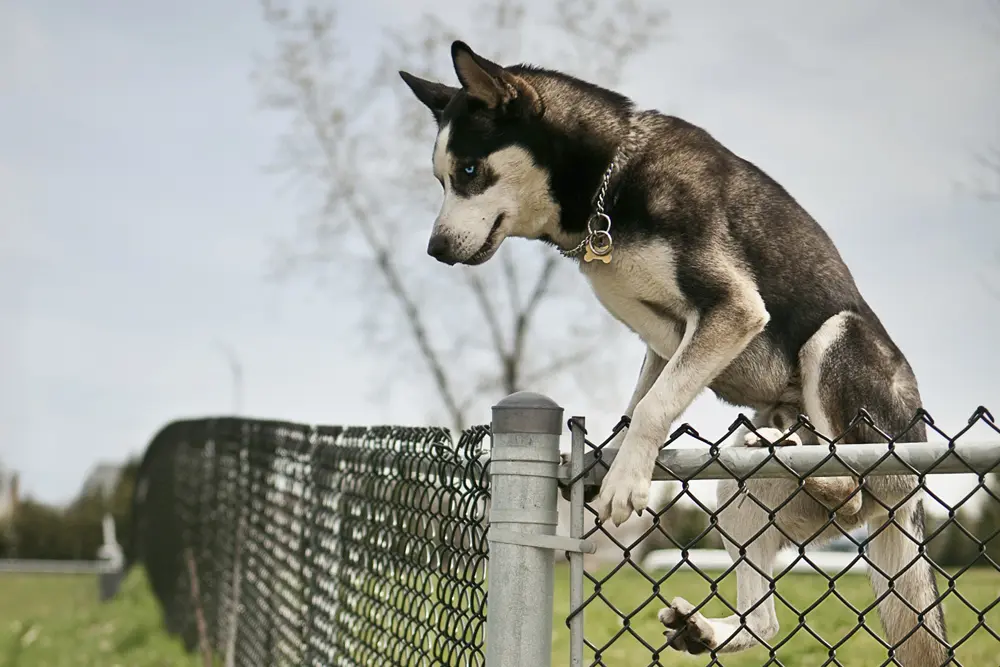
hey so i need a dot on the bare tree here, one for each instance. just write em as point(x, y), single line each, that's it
point(361, 145)
point(988, 527)
point(990, 161)
point(989, 157)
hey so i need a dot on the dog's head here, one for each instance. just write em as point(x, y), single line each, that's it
point(489, 134)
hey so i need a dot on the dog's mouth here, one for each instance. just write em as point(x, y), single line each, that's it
point(490, 246)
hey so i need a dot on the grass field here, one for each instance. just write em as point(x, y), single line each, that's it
point(831, 620)
point(57, 621)
point(52, 621)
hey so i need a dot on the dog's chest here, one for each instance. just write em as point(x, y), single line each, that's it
point(639, 288)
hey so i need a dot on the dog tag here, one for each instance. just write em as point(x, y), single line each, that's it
point(589, 256)
point(598, 247)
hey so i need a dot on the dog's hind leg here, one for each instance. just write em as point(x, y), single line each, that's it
point(691, 632)
point(846, 366)
point(820, 360)
point(894, 555)
point(745, 528)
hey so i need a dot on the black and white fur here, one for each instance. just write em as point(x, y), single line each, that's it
point(730, 284)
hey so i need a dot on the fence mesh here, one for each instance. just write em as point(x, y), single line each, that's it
point(775, 598)
point(285, 544)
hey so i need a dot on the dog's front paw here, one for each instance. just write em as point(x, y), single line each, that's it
point(625, 488)
point(766, 435)
point(687, 631)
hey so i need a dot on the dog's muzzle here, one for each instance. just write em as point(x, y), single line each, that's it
point(439, 247)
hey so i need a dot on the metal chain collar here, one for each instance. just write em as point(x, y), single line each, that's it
point(598, 241)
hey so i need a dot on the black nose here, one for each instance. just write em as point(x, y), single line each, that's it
point(439, 247)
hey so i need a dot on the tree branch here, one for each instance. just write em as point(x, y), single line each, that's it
point(990, 161)
point(554, 367)
point(562, 363)
point(488, 310)
point(343, 191)
point(541, 289)
point(416, 324)
point(513, 289)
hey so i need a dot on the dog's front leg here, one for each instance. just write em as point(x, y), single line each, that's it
point(712, 340)
point(652, 366)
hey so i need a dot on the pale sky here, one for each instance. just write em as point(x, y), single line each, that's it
point(137, 219)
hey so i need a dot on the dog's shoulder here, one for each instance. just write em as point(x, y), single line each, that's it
point(723, 218)
point(676, 157)
point(675, 185)
point(684, 185)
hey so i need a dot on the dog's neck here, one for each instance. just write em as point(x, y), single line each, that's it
point(597, 170)
point(597, 240)
point(589, 133)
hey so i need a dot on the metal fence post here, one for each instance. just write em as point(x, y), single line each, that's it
point(523, 516)
point(578, 429)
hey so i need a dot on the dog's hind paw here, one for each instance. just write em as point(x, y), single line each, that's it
point(687, 630)
point(766, 435)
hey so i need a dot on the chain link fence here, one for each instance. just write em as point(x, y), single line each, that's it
point(773, 597)
point(270, 543)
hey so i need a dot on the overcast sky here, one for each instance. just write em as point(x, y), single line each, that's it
point(137, 220)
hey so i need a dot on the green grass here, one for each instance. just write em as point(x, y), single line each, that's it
point(51, 621)
point(831, 619)
point(57, 620)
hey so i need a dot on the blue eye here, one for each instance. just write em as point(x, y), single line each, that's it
point(470, 170)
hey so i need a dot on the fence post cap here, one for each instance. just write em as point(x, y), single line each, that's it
point(527, 399)
point(527, 412)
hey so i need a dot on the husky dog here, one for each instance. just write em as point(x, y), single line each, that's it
point(731, 285)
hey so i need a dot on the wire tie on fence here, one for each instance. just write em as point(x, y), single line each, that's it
point(541, 541)
point(544, 517)
point(745, 493)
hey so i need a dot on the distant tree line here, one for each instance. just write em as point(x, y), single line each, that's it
point(41, 531)
point(969, 538)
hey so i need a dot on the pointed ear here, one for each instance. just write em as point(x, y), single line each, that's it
point(435, 96)
point(492, 84)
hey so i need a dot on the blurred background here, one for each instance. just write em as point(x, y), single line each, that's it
point(223, 207)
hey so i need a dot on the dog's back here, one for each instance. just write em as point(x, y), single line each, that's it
point(689, 196)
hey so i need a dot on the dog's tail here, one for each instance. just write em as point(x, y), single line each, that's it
point(910, 611)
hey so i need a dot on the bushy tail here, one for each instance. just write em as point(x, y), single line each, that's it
point(911, 615)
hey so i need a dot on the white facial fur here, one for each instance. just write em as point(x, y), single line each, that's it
point(521, 193)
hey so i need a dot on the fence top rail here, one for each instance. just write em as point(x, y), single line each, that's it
point(798, 461)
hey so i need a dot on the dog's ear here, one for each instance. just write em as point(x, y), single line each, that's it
point(492, 84)
point(435, 96)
